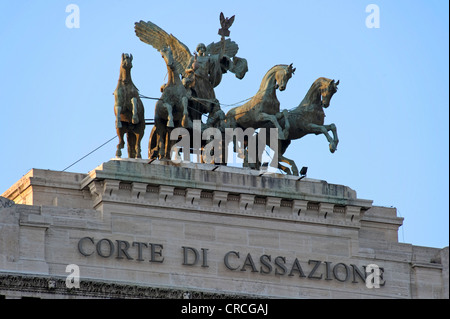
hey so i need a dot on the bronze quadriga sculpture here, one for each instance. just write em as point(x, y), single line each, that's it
point(189, 94)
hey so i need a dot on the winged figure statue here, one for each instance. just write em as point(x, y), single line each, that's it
point(208, 63)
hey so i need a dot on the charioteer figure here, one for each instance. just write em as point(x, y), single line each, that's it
point(209, 63)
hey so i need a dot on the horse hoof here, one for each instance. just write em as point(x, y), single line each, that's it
point(332, 148)
point(186, 123)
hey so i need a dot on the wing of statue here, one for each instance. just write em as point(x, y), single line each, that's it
point(150, 33)
point(231, 48)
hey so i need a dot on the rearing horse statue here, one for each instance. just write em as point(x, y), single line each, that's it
point(171, 110)
point(307, 118)
point(129, 111)
point(260, 111)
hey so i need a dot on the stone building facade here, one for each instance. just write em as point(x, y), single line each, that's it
point(130, 229)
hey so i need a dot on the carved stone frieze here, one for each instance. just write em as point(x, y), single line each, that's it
point(101, 289)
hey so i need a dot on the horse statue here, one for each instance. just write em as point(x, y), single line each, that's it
point(129, 111)
point(307, 118)
point(260, 111)
point(171, 110)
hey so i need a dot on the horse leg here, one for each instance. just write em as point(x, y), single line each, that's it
point(131, 141)
point(289, 171)
point(221, 151)
point(118, 102)
point(334, 144)
point(135, 117)
point(260, 149)
point(279, 157)
point(168, 145)
point(253, 163)
point(121, 144)
point(321, 129)
point(244, 155)
point(285, 169)
point(186, 121)
point(293, 170)
point(117, 110)
point(264, 117)
point(287, 124)
point(136, 147)
point(139, 136)
point(231, 124)
point(162, 143)
point(153, 144)
point(168, 108)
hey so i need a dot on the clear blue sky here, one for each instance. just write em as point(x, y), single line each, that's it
point(392, 109)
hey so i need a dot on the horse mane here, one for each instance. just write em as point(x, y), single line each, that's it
point(271, 70)
point(122, 80)
point(318, 85)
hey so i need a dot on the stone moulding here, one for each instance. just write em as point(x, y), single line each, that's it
point(211, 177)
point(5, 203)
point(270, 196)
point(43, 284)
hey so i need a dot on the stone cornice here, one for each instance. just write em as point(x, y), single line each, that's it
point(224, 178)
point(42, 284)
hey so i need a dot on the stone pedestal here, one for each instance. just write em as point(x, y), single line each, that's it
point(162, 230)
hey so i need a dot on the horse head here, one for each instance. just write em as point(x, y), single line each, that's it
point(283, 75)
point(126, 61)
point(327, 92)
